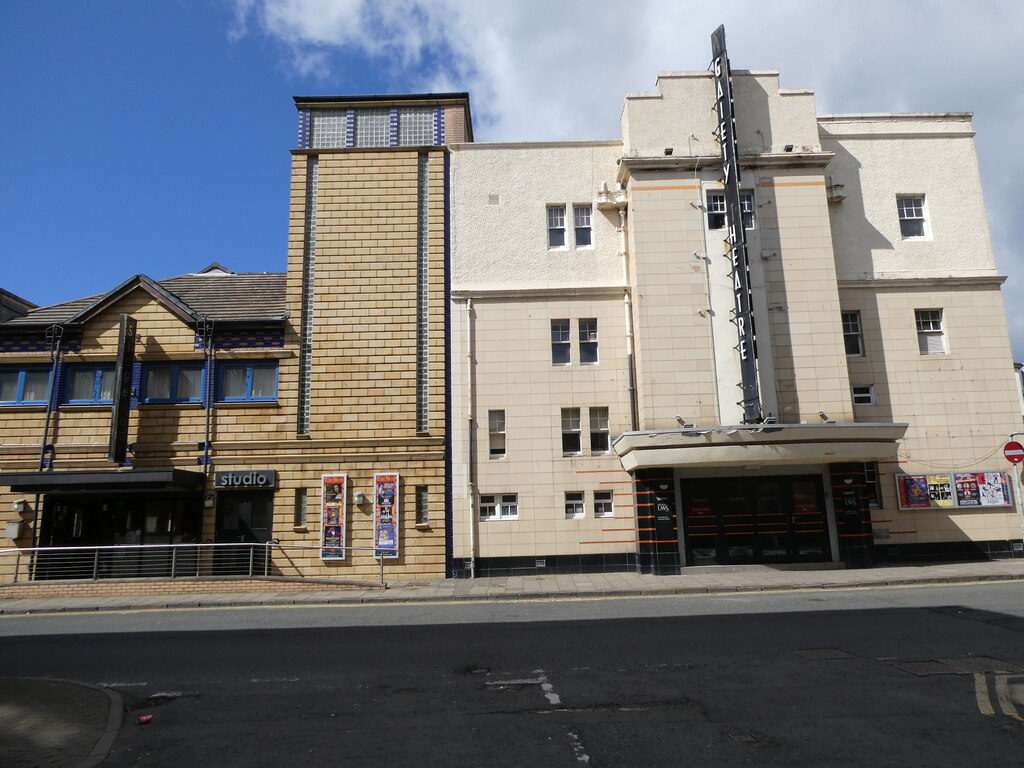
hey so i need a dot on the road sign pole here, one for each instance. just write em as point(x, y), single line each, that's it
point(1018, 502)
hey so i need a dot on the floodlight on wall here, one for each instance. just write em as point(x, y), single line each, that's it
point(697, 206)
point(359, 498)
point(20, 505)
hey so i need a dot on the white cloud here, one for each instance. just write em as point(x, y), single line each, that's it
point(543, 69)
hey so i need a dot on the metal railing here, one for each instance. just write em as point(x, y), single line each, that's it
point(169, 561)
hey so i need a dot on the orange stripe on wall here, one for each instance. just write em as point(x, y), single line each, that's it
point(659, 189)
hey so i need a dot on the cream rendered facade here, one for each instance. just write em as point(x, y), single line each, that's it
point(691, 482)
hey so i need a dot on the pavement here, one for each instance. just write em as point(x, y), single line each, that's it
point(47, 722)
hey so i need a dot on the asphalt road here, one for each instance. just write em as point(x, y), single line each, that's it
point(923, 677)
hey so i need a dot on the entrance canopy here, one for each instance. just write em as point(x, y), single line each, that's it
point(103, 480)
point(758, 445)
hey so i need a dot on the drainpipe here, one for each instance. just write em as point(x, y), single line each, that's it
point(471, 452)
point(56, 333)
point(207, 328)
point(627, 301)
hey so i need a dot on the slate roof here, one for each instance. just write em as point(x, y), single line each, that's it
point(214, 293)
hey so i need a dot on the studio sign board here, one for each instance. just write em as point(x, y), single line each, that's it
point(245, 479)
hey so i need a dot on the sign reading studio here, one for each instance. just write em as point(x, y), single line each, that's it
point(245, 479)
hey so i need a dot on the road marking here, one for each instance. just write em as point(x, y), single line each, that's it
point(577, 748)
point(1005, 701)
point(981, 694)
point(122, 685)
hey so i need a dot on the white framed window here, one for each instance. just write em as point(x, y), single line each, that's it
point(864, 395)
point(496, 434)
point(504, 506)
point(603, 506)
point(717, 210)
point(556, 226)
point(853, 337)
point(581, 215)
point(912, 219)
point(571, 442)
point(930, 337)
point(574, 508)
point(599, 442)
point(560, 342)
point(588, 341)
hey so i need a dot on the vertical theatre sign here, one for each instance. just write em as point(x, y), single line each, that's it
point(736, 239)
point(117, 448)
point(334, 491)
point(385, 515)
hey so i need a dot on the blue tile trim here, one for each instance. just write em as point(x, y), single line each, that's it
point(136, 386)
point(304, 128)
point(350, 128)
point(439, 125)
point(393, 127)
point(35, 343)
point(265, 339)
point(58, 385)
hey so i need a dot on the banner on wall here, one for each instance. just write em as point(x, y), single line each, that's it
point(958, 490)
point(385, 515)
point(333, 492)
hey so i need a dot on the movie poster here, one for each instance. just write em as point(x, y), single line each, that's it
point(994, 489)
point(332, 516)
point(967, 490)
point(961, 490)
point(913, 491)
point(385, 515)
point(940, 491)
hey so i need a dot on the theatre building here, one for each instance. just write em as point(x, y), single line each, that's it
point(306, 408)
point(741, 332)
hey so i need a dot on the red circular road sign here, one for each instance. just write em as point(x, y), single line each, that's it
point(1014, 452)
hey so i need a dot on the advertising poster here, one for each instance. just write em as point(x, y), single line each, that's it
point(994, 489)
point(940, 492)
point(967, 490)
point(332, 516)
point(913, 491)
point(385, 515)
point(960, 490)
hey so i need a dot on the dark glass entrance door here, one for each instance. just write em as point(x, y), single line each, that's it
point(754, 520)
point(242, 518)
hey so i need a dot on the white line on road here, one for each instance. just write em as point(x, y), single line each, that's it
point(981, 694)
point(1005, 701)
point(577, 748)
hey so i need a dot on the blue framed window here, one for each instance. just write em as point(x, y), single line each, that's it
point(247, 382)
point(172, 383)
point(89, 385)
point(27, 385)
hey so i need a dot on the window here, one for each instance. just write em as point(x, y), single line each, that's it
point(299, 515)
point(181, 383)
point(599, 430)
point(603, 504)
point(853, 339)
point(499, 507)
point(372, 127)
point(559, 342)
point(571, 431)
point(930, 339)
point(90, 385)
point(24, 386)
point(588, 341)
point(574, 509)
point(416, 126)
point(911, 212)
point(581, 220)
point(717, 210)
point(496, 434)
point(244, 382)
point(872, 488)
point(556, 226)
point(864, 395)
point(422, 510)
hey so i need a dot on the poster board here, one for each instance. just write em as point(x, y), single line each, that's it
point(954, 490)
point(333, 496)
point(385, 515)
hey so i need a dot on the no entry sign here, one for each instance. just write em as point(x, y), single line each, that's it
point(1014, 452)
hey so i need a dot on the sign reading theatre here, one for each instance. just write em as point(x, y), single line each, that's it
point(736, 240)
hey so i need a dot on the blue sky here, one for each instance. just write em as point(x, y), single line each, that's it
point(153, 136)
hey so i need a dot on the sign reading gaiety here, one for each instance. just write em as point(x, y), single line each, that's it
point(736, 241)
point(248, 479)
point(117, 447)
